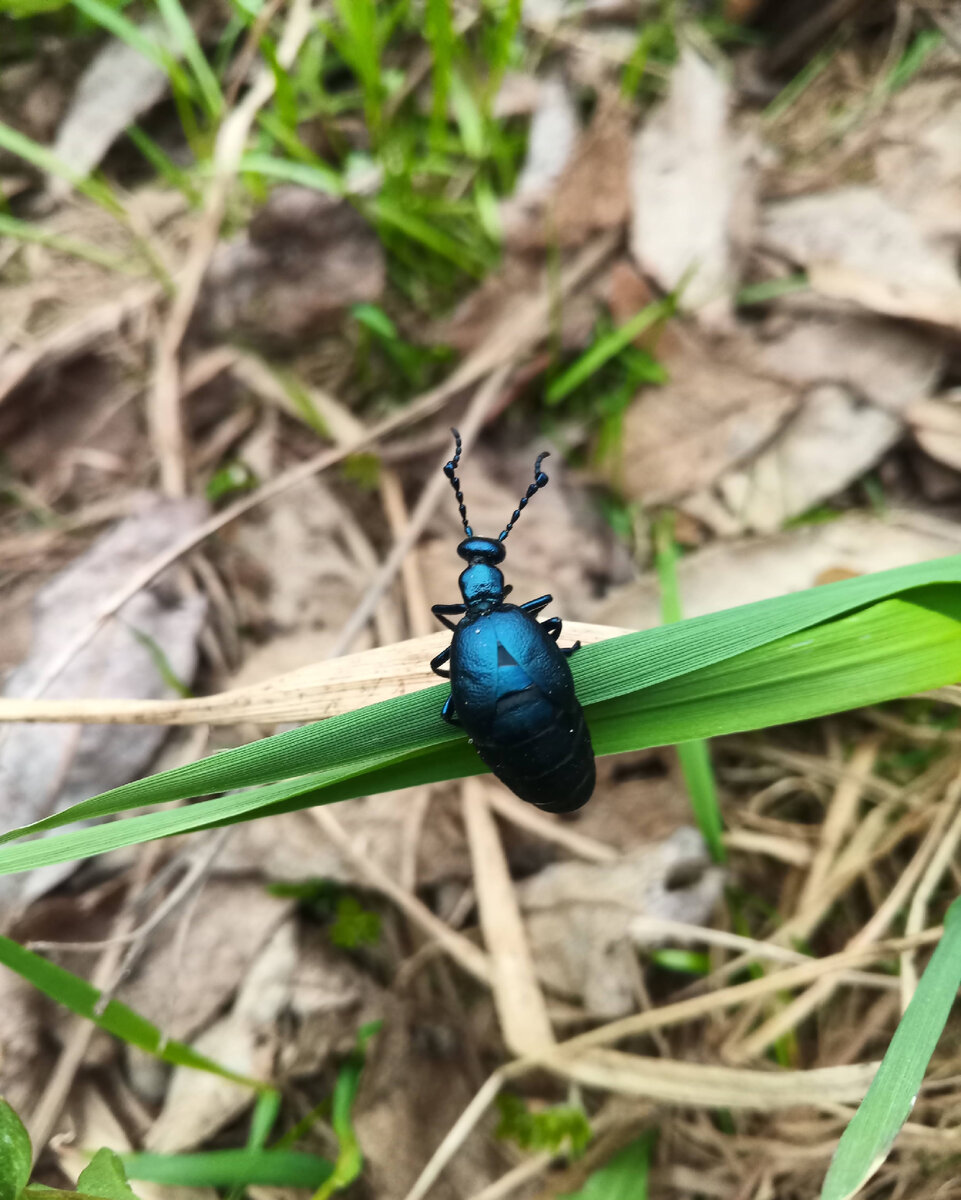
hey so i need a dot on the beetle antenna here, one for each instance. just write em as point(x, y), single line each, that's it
point(540, 480)
point(450, 471)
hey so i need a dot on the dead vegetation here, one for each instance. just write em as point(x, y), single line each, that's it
point(223, 410)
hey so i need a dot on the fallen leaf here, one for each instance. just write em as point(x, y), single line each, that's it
point(43, 769)
point(551, 139)
point(692, 191)
point(305, 258)
point(917, 157)
point(886, 362)
point(833, 439)
point(730, 573)
point(579, 915)
point(118, 85)
point(420, 1073)
point(936, 425)
point(317, 986)
point(857, 245)
point(577, 190)
point(712, 414)
point(23, 1071)
point(187, 974)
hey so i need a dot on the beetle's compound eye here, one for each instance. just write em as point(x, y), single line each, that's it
point(480, 549)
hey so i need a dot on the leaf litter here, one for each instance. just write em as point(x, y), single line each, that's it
point(770, 410)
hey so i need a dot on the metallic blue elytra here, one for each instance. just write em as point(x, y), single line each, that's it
point(510, 684)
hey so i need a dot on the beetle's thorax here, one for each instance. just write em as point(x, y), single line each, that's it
point(481, 584)
point(482, 587)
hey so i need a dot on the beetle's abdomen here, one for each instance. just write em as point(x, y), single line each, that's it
point(514, 694)
point(543, 755)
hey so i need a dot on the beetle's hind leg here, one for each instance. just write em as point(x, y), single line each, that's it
point(440, 609)
point(447, 712)
point(437, 663)
point(552, 627)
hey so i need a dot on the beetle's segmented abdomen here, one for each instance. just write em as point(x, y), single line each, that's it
point(548, 763)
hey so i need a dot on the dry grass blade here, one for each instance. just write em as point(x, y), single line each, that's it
point(517, 994)
point(517, 333)
point(707, 1086)
point(473, 960)
point(311, 693)
point(550, 828)
point(789, 1017)
point(917, 913)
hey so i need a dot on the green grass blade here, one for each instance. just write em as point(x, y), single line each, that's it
point(26, 231)
point(867, 1141)
point(84, 999)
point(623, 1177)
point(694, 757)
point(313, 175)
point(49, 163)
point(15, 1155)
point(607, 348)
point(839, 646)
point(230, 1168)
point(184, 37)
point(104, 1176)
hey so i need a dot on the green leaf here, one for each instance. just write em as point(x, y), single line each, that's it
point(547, 1129)
point(83, 999)
point(867, 1141)
point(350, 1160)
point(104, 1176)
point(182, 32)
point(607, 348)
point(14, 1154)
point(694, 757)
point(623, 1177)
point(856, 642)
point(230, 1168)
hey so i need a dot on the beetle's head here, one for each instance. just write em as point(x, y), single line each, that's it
point(489, 551)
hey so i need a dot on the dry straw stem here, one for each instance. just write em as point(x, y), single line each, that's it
point(311, 693)
point(798, 1084)
point(918, 912)
point(464, 952)
point(518, 998)
point(800, 1008)
point(164, 404)
point(547, 827)
point(521, 328)
point(479, 409)
point(841, 816)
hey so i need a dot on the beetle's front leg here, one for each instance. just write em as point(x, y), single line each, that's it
point(439, 609)
point(448, 713)
point(437, 662)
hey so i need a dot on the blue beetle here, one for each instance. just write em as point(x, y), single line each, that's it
point(510, 685)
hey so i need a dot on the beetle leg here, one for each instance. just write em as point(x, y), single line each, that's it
point(447, 712)
point(437, 663)
point(552, 627)
point(439, 609)
point(569, 650)
point(533, 607)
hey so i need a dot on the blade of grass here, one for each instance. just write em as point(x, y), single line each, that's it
point(84, 1000)
point(113, 21)
point(607, 348)
point(25, 231)
point(638, 665)
point(312, 175)
point(694, 756)
point(892, 648)
point(350, 1160)
point(185, 39)
point(622, 1177)
point(230, 1168)
point(868, 1139)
